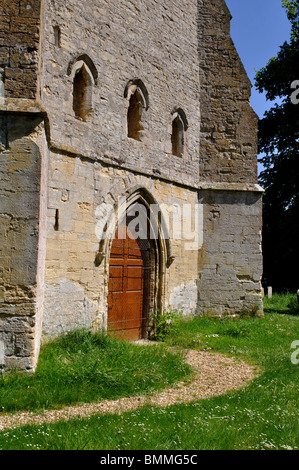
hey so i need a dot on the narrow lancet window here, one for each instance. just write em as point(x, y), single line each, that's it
point(135, 109)
point(179, 127)
point(82, 94)
point(137, 95)
point(177, 137)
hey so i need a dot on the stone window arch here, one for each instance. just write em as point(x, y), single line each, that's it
point(137, 95)
point(84, 76)
point(179, 128)
point(82, 94)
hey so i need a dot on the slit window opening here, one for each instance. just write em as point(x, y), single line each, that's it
point(57, 36)
point(56, 223)
point(135, 110)
point(177, 137)
point(82, 94)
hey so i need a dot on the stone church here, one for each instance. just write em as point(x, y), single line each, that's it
point(128, 168)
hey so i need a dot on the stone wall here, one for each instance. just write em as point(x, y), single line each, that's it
point(200, 73)
point(125, 40)
point(228, 143)
point(75, 285)
point(23, 185)
point(230, 262)
point(22, 248)
point(19, 46)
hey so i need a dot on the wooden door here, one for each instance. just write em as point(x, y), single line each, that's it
point(128, 285)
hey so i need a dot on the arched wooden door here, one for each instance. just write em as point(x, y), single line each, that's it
point(129, 274)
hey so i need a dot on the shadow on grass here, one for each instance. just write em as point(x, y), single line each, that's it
point(293, 307)
point(290, 308)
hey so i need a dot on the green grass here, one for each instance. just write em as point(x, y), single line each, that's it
point(286, 303)
point(264, 415)
point(85, 367)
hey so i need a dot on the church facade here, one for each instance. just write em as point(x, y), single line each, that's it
point(128, 168)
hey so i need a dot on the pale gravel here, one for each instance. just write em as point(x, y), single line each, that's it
point(213, 374)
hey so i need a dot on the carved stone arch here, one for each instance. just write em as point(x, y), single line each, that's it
point(182, 115)
point(158, 220)
point(132, 86)
point(84, 77)
point(137, 95)
point(113, 214)
point(179, 128)
point(89, 63)
point(159, 241)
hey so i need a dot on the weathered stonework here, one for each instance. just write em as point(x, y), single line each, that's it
point(19, 47)
point(231, 251)
point(23, 172)
point(61, 160)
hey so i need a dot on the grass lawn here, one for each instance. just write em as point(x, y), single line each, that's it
point(84, 367)
point(264, 415)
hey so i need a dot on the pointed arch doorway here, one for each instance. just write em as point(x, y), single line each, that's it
point(139, 253)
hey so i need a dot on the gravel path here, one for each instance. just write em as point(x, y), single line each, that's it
point(214, 374)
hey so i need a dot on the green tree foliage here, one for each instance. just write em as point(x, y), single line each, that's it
point(279, 147)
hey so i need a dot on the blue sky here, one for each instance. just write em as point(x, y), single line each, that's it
point(258, 29)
